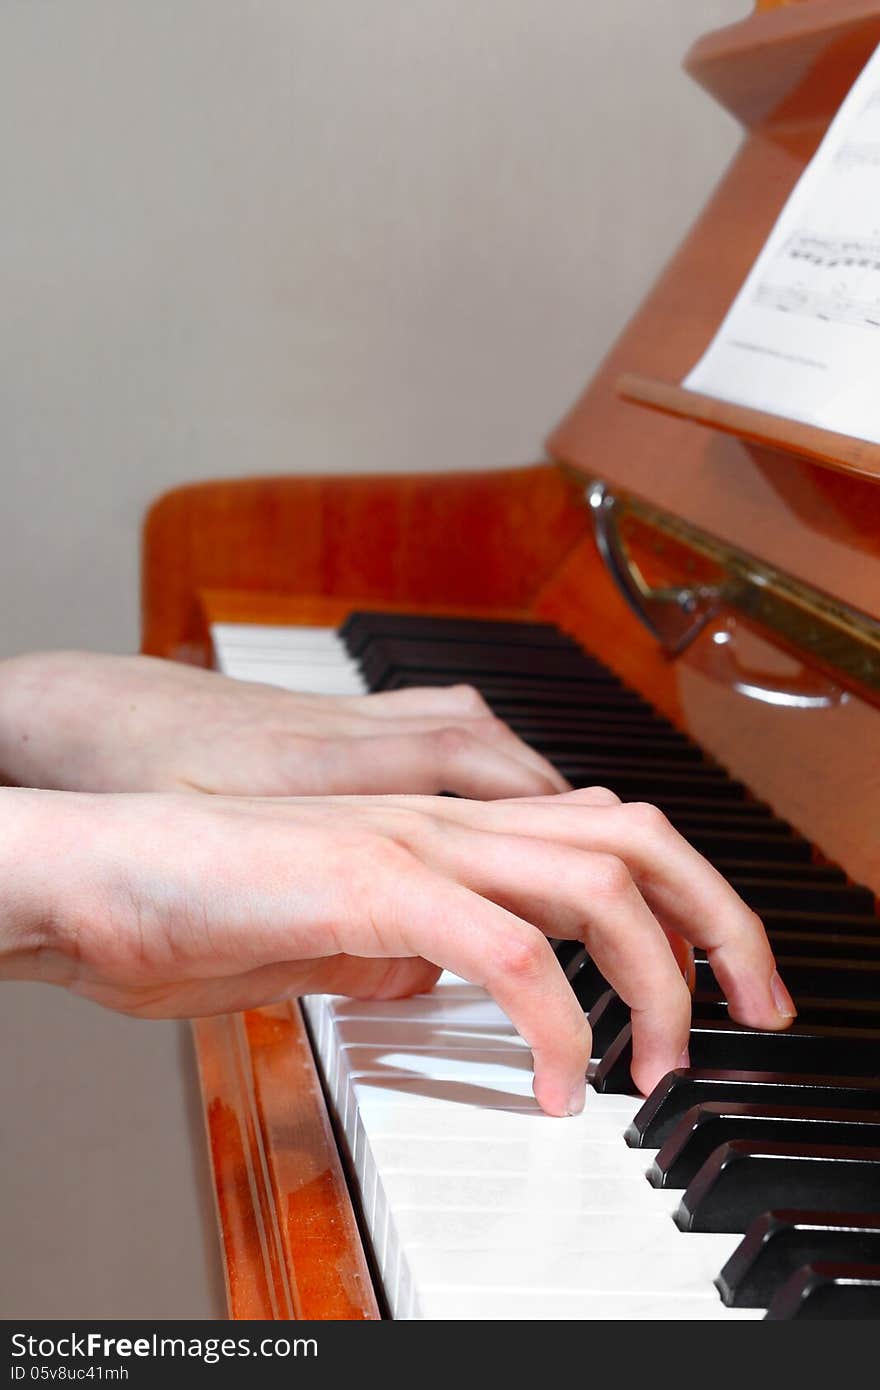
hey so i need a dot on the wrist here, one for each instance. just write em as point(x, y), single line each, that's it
point(34, 826)
point(19, 703)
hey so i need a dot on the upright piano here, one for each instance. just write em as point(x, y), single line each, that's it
point(683, 603)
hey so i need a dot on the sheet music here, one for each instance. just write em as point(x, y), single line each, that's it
point(802, 338)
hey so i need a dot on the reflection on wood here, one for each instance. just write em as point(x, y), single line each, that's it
point(290, 1240)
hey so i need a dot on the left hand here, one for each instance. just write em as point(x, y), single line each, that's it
point(77, 721)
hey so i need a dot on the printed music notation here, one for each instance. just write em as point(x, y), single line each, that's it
point(801, 338)
point(838, 281)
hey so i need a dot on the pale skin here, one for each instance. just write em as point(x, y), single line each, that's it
point(296, 877)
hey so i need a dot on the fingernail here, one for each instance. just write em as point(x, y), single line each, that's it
point(684, 1060)
point(578, 1098)
point(781, 997)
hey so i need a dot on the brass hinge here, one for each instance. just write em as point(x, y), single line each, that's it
point(839, 638)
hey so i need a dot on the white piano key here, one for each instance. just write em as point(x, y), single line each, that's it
point(286, 641)
point(686, 1272)
point(476, 1011)
point(509, 1157)
point(422, 1034)
point(529, 1191)
point(302, 658)
point(311, 681)
point(490, 1305)
point(308, 660)
point(414, 1113)
point(493, 1065)
point(473, 1234)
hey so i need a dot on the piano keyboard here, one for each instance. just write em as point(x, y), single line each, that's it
point(749, 1182)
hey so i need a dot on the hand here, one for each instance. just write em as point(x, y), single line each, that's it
point(77, 721)
point(168, 905)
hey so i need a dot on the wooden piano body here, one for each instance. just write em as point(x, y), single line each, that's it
point(516, 543)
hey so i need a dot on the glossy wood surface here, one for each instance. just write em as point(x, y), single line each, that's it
point(839, 452)
point(784, 72)
point(400, 539)
point(291, 1246)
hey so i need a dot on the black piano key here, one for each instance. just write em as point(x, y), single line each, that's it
point(778, 1242)
point(741, 1179)
point(804, 1050)
point(751, 817)
point(813, 896)
point(725, 846)
point(816, 974)
point(596, 745)
point(385, 657)
point(564, 730)
point(829, 1291)
point(829, 1013)
point(825, 975)
point(801, 875)
point(846, 948)
point(606, 1018)
point(819, 923)
point(682, 1089)
point(643, 784)
point(630, 762)
point(563, 699)
point(701, 778)
point(365, 626)
point(706, 812)
point(588, 983)
point(705, 1127)
point(570, 954)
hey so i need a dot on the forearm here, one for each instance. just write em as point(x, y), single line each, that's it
point(33, 829)
point(52, 729)
point(25, 689)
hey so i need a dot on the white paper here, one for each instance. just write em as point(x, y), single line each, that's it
point(802, 338)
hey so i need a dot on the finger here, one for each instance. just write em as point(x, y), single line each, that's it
point(221, 992)
point(489, 946)
point(448, 759)
point(683, 890)
point(497, 732)
point(592, 898)
point(695, 901)
point(580, 796)
point(486, 727)
point(457, 701)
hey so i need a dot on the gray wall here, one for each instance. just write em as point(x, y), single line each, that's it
point(278, 235)
point(296, 235)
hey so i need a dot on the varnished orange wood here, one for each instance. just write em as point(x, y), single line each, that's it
point(290, 1242)
point(316, 610)
point(326, 1268)
point(748, 493)
point(453, 539)
point(840, 452)
point(810, 765)
point(256, 1284)
point(787, 65)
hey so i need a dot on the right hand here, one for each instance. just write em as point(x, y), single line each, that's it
point(176, 905)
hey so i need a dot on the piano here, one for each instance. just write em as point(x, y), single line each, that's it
point(682, 602)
